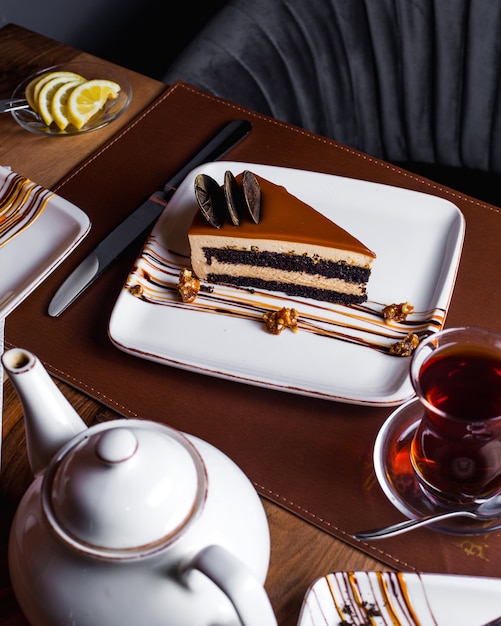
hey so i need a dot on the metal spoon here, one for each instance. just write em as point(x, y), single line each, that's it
point(488, 510)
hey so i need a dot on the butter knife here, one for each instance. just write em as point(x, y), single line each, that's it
point(141, 219)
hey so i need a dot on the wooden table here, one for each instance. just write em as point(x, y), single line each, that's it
point(300, 552)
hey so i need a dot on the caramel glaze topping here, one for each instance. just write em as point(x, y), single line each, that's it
point(285, 217)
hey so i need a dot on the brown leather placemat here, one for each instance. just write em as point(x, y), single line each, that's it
point(310, 456)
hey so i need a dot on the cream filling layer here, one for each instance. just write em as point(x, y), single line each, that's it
point(202, 270)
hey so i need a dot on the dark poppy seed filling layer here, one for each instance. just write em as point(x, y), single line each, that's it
point(288, 263)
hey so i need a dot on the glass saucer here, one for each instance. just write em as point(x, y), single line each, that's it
point(29, 120)
point(399, 483)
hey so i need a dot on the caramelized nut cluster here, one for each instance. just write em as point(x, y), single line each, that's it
point(277, 321)
point(188, 286)
point(397, 312)
point(136, 290)
point(405, 347)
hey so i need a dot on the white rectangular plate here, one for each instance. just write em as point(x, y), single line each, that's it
point(391, 599)
point(417, 239)
point(28, 258)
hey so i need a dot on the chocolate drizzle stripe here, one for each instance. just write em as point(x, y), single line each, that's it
point(157, 273)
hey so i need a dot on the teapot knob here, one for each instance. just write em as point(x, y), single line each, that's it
point(116, 445)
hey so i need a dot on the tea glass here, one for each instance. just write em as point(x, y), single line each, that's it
point(456, 450)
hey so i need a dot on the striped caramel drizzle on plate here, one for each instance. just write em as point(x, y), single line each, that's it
point(376, 598)
point(154, 279)
point(403, 588)
point(21, 203)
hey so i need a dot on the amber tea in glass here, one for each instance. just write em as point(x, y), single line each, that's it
point(456, 451)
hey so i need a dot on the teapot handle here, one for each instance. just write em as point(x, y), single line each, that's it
point(235, 579)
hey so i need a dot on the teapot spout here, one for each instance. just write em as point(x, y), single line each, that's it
point(49, 419)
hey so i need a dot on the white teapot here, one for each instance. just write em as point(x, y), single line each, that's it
point(131, 522)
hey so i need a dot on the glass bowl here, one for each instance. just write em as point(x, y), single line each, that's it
point(30, 120)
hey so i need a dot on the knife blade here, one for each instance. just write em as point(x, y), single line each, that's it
point(141, 219)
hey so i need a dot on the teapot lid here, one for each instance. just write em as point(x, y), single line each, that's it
point(124, 486)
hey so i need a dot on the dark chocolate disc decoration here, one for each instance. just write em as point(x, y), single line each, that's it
point(234, 198)
point(252, 194)
point(211, 200)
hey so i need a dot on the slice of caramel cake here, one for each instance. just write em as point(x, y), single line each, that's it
point(293, 249)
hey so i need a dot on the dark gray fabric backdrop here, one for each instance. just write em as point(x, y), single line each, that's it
point(403, 80)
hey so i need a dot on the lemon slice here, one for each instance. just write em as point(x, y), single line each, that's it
point(89, 98)
point(58, 105)
point(29, 93)
point(34, 87)
point(47, 93)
